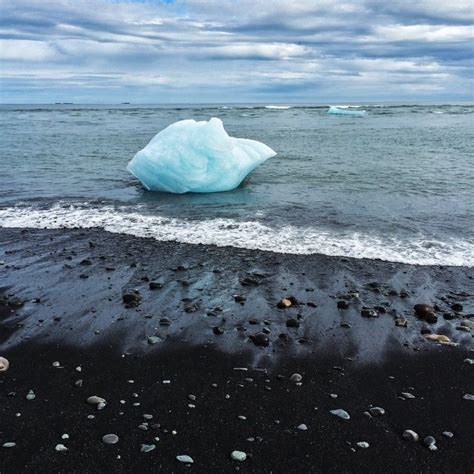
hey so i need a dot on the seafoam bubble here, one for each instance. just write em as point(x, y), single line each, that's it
point(250, 234)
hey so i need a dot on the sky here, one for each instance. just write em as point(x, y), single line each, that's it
point(226, 51)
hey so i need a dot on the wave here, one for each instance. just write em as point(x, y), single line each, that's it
point(249, 234)
point(346, 106)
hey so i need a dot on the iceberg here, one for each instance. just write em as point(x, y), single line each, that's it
point(199, 157)
point(346, 111)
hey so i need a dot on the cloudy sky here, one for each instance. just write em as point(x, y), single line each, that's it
point(312, 51)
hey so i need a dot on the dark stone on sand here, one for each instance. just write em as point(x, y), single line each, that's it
point(191, 309)
point(218, 331)
point(239, 298)
point(165, 322)
point(83, 276)
point(374, 286)
point(155, 285)
point(292, 323)
point(424, 331)
point(260, 339)
point(131, 300)
point(449, 316)
point(311, 304)
point(249, 281)
point(86, 261)
point(369, 313)
point(423, 310)
point(380, 309)
point(342, 304)
point(458, 307)
point(431, 319)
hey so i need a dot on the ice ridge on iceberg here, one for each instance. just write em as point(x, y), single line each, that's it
point(200, 157)
point(346, 111)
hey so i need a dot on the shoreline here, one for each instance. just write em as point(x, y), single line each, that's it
point(64, 299)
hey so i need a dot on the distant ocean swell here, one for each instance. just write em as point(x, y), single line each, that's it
point(243, 234)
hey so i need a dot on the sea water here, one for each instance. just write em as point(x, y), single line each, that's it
point(397, 185)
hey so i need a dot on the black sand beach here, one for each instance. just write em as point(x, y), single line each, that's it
point(194, 337)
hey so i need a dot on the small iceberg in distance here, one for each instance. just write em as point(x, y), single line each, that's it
point(346, 110)
point(278, 107)
point(198, 157)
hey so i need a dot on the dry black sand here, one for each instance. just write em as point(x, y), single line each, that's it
point(62, 300)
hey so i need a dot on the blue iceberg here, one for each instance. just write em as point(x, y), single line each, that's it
point(346, 111)
point(199, 157)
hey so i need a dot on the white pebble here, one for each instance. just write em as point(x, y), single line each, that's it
point(238, 456)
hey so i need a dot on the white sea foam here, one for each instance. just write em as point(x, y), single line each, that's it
point(247, 234)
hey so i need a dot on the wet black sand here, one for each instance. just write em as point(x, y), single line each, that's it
point(63, 301)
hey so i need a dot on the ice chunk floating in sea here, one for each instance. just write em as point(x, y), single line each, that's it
point(346, 111)
point(199, 157)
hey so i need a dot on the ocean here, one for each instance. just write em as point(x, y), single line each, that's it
point(395, 185)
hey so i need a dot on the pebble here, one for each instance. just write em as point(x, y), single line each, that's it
point(56, 364)
point(401, 322)
point(260, 339)
point(302, 427)
point(238, 456)
point(363, 444)
point(146, 448)
point(110, 438)
point(407, 395)
point(60, 448)
point(30, 395)
point(376, 411)
point(185, 458)
point(448, 434)
point(95, 400)
point(430, 443)
point(468, 396)
point(284, 303)
point(4, 364)
point(9, 444)
point(341, 414)
point(296, 377)
point(423, 310)
point(438, 337)
point(152, 340)
point(65, 436)
point(369, 313)
point(410, 435)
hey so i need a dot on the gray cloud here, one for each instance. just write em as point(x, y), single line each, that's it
point(209, 50)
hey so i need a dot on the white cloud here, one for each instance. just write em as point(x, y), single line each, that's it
point(26, 50)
